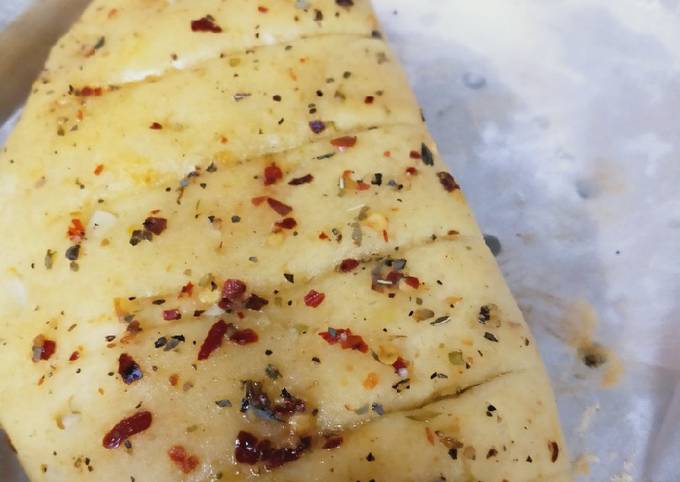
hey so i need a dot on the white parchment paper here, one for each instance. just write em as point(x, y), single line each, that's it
point(561, 120)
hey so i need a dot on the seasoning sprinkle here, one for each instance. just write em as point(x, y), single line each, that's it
point(73, 252)
point(402, 385)
point(554, 451)
point(173, 342)
point(317, 126)
point(441, 320)
point(426, 155)
point(49, 258)
point(456, 357)
point(301, 180)
point(272, 372)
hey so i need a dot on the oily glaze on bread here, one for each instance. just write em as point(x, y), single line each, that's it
point(231, 250)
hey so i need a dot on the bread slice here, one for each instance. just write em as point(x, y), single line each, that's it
point(231, 250)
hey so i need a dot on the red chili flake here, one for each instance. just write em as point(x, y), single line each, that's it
point(272, 174)
point(317, 126)
point(273, 457)
point(128, 369)
point(155, 225)
point(76, 231)
point(291, 404)
point(387, 154)
point(262, 9)
point(344, 141)
point(89, 91)
point(246, 448)
point(412, 281)
point(213, 340)
point(362, 186)
point(244, 337)
point(333, 335)
point(332, 443)
point(74, 356)
point(173, 379)
point(278, 206)
point(126, 428)
point(233, 288)
point(323, 235)
point(249, 450)
point(205, 24)
point(286, 223)
point(155, 126)
point(348, 265)
point(258, 200)
point(368, 99)
point(346, 338)
point(354, 342)
point(314, 298)
point(447, 181)
point(187, 289)
point(98, 170)
point(393, 277)
point(301, 180)
point(399, 364)
point(170, 315)
point(411, 171)
point(185, 462)
point(385, 236)
point(414, 155)
point(255, 302)
point(43, 348)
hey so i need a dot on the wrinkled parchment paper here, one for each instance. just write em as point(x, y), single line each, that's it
point(561, 120)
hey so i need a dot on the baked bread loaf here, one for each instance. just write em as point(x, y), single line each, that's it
point(231, 250)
